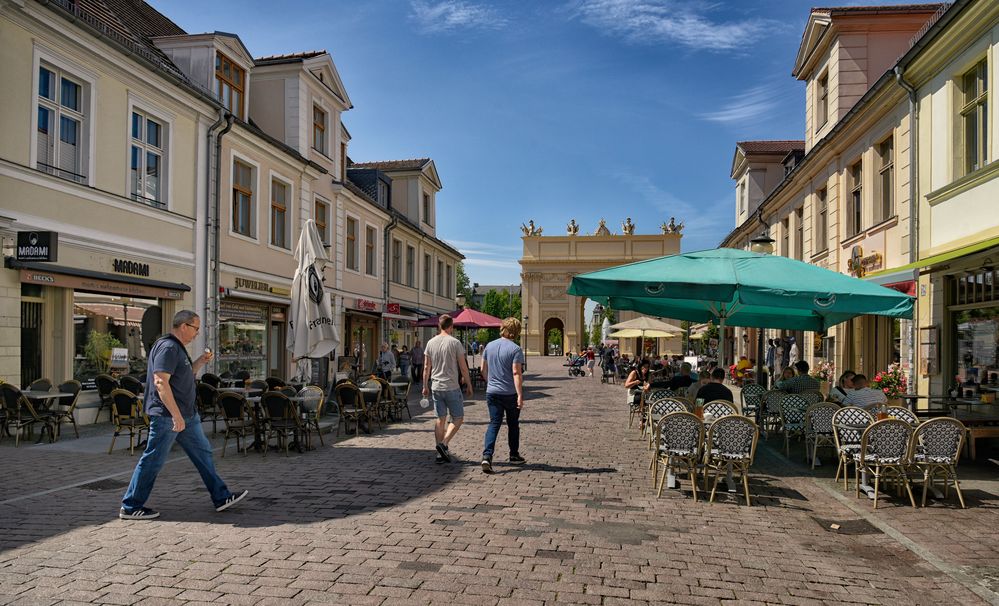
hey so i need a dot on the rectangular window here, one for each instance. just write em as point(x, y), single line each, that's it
point(440, 278)
point(61, 123)
point(821, 236)
point(351, 253)
point(279, 214)
point(230, 84)
point(318, 130)
point(343, 161)
point(322, 218)
point(410, 267)
point(369, 251)
point(821, 101)
point(383, 193)
point(799, 234)
point(450, 282)
point(427, 286)
point(396, 261)
point(785, 249)
point(426, 209)
point(886, 180)
point(146, 160)
point(855, 212)
point(242, 199)
point(742, 198)
point(974, 116)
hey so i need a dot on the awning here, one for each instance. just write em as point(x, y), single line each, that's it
point(49, 274)
point(255, 296)
point(418, 311)
point(902, 280)
point(399, 317)
point(941, 258)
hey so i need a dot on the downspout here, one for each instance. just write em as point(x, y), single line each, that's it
point(388, 240)
point(914, 205)
point(213, 225)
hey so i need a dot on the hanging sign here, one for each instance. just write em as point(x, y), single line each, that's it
point(37, 246)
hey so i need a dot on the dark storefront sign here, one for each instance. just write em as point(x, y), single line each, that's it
point(37, 246)
point(132, 268)
point(98, 285)
point(231, 310)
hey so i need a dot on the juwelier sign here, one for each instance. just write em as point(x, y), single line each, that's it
point(37, 246)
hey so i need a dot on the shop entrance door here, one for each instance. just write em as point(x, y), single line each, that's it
point(31, 342)
point(277, 350)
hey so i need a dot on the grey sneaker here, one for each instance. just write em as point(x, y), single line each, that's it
point(487, 466)
point(232, 499)
point(443, 451)
point(517, 459)
point(142, 513)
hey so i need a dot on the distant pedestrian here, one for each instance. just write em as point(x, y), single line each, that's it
point(170, 406)
point(591, 359)
point(444, 370)
point(771, 352)
point(385, 363)
point(417, 358)
point(502, 369)
point(405, 361)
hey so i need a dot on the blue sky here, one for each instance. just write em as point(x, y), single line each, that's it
point(549, 109)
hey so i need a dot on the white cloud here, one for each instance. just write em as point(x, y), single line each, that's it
point(670, 21)
point(756, 102)
point(449, 15)
point(479, 262)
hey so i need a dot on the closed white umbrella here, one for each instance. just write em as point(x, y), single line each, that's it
point(604, 329)
point(311, 331)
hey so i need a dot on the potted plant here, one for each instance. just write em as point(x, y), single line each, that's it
point(892, 382)
point(825, 373)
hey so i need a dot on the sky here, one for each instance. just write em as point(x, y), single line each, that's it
point(549, 110)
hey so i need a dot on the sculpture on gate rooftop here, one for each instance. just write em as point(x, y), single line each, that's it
point(530, 230)
point(602, 229)
point(572, 229)
point(628, 227)
point(672, 227)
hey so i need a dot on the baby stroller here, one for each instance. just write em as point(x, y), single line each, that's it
point(576, 366)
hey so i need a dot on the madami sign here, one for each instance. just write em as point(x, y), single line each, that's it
point(37, 246)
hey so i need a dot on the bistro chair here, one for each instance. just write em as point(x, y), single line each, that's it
point(680, 440)
point(283, 420)
point(819, 428)
point(256, 388)
point(132, 384)
point(105, 385)
point(903, 413)
point(241, 377)
point(212, 379)
point(813, 397)
point(752, 399)
point(40, 385)
point(936, 449)
point(848, 425)
point(274, 383)
point(719, 408)
point(731, 448)
point(350, 403)
point(646, 399)
point(771, 411)
point(400, 398)
point(21, 415)
point(657, 410)
point(376, 409)
point(792, 418)
point(127, 415)
point(65, 412)
point(884, 454)
point(208, 404)
point(239, 419)
point(312, 406)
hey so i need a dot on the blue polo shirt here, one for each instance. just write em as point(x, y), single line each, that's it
point(170, 356)
point(500, 356)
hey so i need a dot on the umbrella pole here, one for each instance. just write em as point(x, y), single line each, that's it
point(721, 343)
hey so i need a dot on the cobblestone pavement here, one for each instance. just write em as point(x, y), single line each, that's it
point(374, 520)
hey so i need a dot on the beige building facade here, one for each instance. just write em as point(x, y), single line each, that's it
point(548, 264)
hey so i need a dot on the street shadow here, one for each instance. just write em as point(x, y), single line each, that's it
point(500, 468)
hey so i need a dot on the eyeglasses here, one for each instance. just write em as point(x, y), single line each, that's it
point(196, 328)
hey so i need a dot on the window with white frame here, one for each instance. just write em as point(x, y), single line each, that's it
point(319, 130)
point(147, 160)
point(396, 260)
point(450, 281)
point(351, 244)
point(427, 270)
point(410, 266)
point(974, 117)
point(370, 257)
point(62, 124)
point(440, 278)
point(426, 209)
point(799, 233)
point(821, 101)
point(855, 212)
point(821, 237)
point(321, 215)
point(885, 208)
point(243, 198)
point(785, 237)
point(742, 198)
point(280, 227)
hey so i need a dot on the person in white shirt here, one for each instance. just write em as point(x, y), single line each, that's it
point(862, 395)
point(843, 387)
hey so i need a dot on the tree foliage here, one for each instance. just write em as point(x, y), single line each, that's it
point(463, 284)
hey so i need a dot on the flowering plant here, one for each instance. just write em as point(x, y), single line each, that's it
point(891, 381)
point(824, 371)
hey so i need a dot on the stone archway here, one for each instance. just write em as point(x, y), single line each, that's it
point(550, 325)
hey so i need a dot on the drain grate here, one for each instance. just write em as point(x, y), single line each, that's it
point(848, 527)
point(105, 485)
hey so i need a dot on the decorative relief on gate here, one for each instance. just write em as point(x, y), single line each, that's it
point(550, 293)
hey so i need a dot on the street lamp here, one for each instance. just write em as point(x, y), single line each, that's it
point(762, 244)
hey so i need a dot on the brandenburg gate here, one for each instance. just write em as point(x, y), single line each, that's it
point(549, 263)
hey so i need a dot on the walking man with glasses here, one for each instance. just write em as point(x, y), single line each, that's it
point(173, 415)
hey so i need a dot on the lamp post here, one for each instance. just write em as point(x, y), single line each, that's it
point(764, 245)
point(523, 339)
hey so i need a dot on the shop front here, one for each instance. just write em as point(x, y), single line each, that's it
point(400, 327)
point(363, 322)
point(252, 331)
point(970, 336)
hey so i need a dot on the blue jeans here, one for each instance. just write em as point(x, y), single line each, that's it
point(161, 438)
point(500, 404)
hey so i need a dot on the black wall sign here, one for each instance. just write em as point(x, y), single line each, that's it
point(37, 246)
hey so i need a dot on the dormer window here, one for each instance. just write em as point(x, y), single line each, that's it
point(230, 84)
point(426, 209)
point(383, 193)
point(821, 101)
point(319, 130)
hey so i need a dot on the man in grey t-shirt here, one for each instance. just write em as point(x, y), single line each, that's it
point(444, 362)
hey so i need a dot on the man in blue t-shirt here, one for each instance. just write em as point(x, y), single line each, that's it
point(170, 403)
point(503, 370)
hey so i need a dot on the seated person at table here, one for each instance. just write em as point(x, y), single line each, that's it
point(741, 367)
point(715, 390)
point(864, 396)
point(800, 383)
point(682, 380)
point(843, 387)
point(704, 379)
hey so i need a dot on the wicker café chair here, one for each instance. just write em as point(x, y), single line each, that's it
point(66, 409)
point(105, 385)
point(650, 398)
point(312, 407)
point(657, 410)
point(274, 383)
point(771, 410)
point(127, 415)
point(350, 402)
point(903, 413)
point(792, 418)
point(242, 378)
point(283, 420)
point(680, 440)
point(936, 449)
point(819, 428)
point(131, 384)
point(884, 454)
point(21, 415)
point(720, 408)
point(732, 448)
point(212, 379)
point(238, 419)
point(400, 399)
point(40, 385)
point(752, 399)
point(207, 402)
point(812, 397)
point(849, 424)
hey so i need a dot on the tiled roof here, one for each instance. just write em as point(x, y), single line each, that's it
point(770, 147)
point(889, 8)
point(414, 164)
point(289, 58)
point(139, 18)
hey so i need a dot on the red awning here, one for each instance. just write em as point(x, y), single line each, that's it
point(907, 286)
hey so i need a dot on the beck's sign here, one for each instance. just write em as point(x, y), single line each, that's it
point(37, 246)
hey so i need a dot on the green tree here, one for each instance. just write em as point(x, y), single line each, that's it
point(98, 349)
point(555, 337)
point(584, 338)
point(463, 285)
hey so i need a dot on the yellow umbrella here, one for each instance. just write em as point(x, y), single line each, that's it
point(629, 333)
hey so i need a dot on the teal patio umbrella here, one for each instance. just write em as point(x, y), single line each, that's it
point(740, 288)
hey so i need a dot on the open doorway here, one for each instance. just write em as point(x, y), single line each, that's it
point(554, 341)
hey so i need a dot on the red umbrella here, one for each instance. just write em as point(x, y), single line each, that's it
point(470, 318)
point(432, 320)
